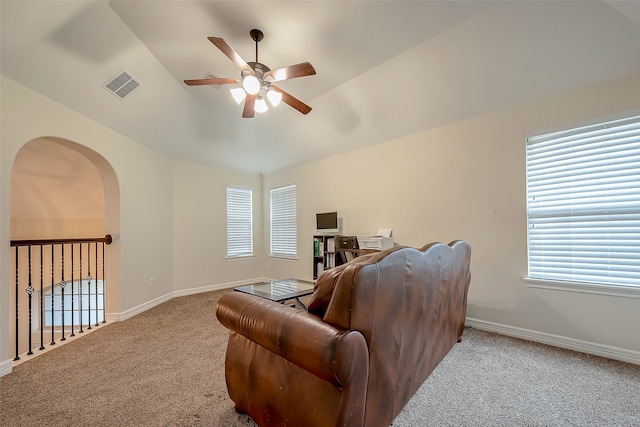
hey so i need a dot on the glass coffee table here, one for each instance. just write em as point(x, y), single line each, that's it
point(280, 290)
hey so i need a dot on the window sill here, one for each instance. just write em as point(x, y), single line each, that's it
point(589, 288)
point(239, 257)
point(283, 257)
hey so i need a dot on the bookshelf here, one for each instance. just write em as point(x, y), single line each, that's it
point(332, 250)
point(324, 254)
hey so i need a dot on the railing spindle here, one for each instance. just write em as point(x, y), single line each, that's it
point(80, 293)
point(104, 290)
point(62, 285)
point(73, 312)
point(41, 300)
point(97, 305)
point(89, 285)
point(17, 305)
point(30, 293)
point(53, 288)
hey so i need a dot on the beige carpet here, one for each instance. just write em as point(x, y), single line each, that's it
point(165, 367)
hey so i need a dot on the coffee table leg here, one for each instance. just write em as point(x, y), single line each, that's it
point(302, 306)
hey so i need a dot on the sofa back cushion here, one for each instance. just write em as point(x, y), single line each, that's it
point(323, 288)
point(410, 305)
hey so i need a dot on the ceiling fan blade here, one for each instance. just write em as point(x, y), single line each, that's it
point(290, 72)
point(231, 54)
point(212, 81)
point(249, 106)
point(292, 101)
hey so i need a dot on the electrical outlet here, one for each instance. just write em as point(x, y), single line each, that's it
point(151, 282)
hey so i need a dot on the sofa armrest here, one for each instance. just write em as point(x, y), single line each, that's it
point(333, 354)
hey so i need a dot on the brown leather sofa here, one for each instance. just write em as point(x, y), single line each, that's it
point(376, 328)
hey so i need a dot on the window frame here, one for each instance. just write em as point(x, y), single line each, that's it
point(276, 231)
point(578, 133)
point(237, 221)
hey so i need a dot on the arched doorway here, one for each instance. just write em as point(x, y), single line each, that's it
point(63, 190)
point(55, 192)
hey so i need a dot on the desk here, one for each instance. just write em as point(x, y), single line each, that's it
point(280, 290)
point(350, 254)
point(359, 251)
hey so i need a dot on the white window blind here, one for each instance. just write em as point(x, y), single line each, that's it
point(239, 222)
point(284, 226)
point(583, 197)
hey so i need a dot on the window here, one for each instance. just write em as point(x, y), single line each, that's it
point(583, 208)
point(83, 303)
point(239, 222)
point(284, 226)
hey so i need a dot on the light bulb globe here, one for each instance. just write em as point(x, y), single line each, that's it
point(260, 105)
point(238, 94)
point(251, 84)
point(274, 97)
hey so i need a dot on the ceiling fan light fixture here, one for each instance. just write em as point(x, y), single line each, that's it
point(274, 97)
point(261, 105)
point(256, 79)
point(251, 84)
point(238, 94)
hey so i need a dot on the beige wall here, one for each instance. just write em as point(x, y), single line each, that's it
point(200, 227)
point(143, 219)
point(142, 248)
point(467, 181)
point(462, 181)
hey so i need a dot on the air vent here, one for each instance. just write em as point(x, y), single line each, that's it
point(122, 85)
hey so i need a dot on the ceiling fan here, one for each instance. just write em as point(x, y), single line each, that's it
point(257, 80)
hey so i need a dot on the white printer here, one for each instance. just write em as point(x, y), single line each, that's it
point(380, 241)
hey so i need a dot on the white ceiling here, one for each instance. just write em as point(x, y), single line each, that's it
point(385, 69)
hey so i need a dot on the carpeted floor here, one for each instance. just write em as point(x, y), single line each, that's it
point(165, 367)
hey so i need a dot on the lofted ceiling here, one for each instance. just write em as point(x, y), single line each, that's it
point(385, 69)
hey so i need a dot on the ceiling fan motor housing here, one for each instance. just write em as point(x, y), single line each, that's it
point(257, 67)
point(259, 70)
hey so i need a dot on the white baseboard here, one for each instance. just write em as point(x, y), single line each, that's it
point(596, 349)
point(6, 367)
point(217, 287)
point(116, 317)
